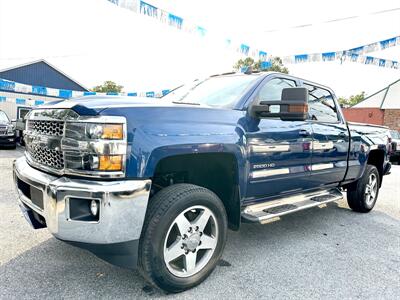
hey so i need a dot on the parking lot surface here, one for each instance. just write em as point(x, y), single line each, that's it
point(329, 253)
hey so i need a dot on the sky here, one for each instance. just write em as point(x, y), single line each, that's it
point(94, 40)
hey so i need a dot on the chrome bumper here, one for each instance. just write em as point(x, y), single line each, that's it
point(122, 205)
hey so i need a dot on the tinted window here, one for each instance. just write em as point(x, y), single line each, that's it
point(219, 91)
point(272, 90)
point(321, 106)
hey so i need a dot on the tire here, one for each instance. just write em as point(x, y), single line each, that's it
point(163, 239)
point(362, 196)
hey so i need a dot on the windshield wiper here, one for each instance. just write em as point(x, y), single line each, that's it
point(181, 102)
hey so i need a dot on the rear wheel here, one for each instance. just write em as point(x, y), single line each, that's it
point(363, 195)
point(183, 237)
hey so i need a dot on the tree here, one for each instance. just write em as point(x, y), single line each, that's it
point(352, 100)
point(276, 65)
point(108, 87)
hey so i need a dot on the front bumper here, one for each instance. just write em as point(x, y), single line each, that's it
point(45, 199)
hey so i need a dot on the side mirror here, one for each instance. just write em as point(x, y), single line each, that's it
point(293, 106)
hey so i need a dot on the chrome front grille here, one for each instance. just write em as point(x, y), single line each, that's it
point(53, 128)
point(48, 157)
point(43, 135)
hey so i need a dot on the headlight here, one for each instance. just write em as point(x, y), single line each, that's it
point(95, 146)
point(10, 130)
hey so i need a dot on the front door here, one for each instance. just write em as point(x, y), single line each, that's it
point(330, 143)
point(279, 152)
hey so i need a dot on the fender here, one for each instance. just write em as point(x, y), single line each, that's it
point(161, 132)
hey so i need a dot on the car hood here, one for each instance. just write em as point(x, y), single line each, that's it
point(95, 104)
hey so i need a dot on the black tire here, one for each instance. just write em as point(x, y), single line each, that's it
point(162, 211)
point(357, 198)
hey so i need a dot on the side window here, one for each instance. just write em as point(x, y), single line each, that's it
point(321, 106)
point(272, 90)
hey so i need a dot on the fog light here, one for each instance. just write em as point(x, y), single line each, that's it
point(94, 207)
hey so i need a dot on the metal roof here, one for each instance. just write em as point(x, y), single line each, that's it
point(41, 73)
point(387, 98)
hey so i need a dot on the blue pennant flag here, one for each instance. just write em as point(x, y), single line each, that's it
point(7, 85)
point(148, 10)
point(150, 94)
point(382, 62)
point(395, 65)
point(369, 60)
point(357, 50)
point(300, 58)
point(262, 55)
point(89, 93)
point(244, 49)
point(354, 57)
point(41, 90)
point(175, 21)
point(328, 56)
point(165, 92)
point(132, 94)
point(20, 101)
point(388, 43)
point(65, 94)
point(39, 102)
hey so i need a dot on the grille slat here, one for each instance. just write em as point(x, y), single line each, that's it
point(54, 128)
point(46, 154)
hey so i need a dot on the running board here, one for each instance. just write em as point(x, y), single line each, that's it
point(270, 211)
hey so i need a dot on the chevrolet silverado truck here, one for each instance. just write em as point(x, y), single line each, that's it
point(154, 184)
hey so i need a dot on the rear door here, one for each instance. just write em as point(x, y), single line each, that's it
point(279, 152)
point(330, 139)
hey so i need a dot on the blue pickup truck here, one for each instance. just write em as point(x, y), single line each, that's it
point(154, 184)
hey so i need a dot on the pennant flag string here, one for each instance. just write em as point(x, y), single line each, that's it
point(11, 86)
point(354, 55)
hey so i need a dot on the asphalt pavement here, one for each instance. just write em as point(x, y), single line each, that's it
point(329, 253)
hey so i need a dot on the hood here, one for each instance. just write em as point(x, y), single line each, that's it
point(92, 105)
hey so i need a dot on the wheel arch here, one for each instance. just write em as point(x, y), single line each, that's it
point(376, 158)
point(216, 171)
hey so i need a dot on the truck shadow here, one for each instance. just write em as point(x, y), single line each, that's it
point(55, 269)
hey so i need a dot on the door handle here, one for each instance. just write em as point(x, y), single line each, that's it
point(342, 134)
point(304, 132)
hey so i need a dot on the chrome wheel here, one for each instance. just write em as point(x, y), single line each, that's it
point(371, 189)
point(190, 241)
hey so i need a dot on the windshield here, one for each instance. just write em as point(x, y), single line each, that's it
point(395, 134)
point(3, 117)
point(221, 91)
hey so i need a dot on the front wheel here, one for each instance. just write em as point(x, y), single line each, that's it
point(363, 195)
point(183, 237)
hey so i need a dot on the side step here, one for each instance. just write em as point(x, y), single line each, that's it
point(270, 211)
